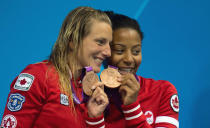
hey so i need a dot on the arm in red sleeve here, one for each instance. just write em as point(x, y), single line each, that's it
point(134, 116)
point(25, 99)
point(167, 116)
point(169, 107)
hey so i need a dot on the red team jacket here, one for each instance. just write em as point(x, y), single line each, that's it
point(35, 101)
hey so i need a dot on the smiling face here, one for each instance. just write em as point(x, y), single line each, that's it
point(95, 47)
point(126, 50)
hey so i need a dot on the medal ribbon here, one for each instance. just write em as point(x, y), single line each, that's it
point(84, 97)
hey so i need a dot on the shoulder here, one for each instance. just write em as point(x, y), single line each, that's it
point(35, 72)
point(34, 77)
point(163, 90)
point(40, 69)
point(161, 85)
point(37, 67)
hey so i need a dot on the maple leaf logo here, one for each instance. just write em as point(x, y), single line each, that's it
point(175, 103)
point(148, 115)
point(23, 81)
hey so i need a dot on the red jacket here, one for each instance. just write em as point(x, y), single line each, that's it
point(157, 106)
point(35, 101)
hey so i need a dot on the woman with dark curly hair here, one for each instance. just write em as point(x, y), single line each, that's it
point(138, 102)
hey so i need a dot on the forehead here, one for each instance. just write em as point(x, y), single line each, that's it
point(99, 25)
point(100, 28)
point(126, 36)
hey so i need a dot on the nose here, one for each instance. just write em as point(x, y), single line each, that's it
point(128, 58)
point(107, 50)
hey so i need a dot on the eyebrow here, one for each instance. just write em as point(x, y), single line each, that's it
point(117, 45)
point(137, 45)
point(124, 45)
point(102, 38)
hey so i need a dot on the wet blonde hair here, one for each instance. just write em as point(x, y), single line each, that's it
point(75, 27)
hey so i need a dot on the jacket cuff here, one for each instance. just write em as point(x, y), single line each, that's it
point(96, 122)
point(132, 111)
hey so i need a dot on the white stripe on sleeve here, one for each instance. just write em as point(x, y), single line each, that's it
point(167, 119)
point(132, 110)
point(95, 123)
point(133, 117)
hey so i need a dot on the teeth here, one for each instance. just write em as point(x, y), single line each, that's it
point(126, 69)
point(98, 60)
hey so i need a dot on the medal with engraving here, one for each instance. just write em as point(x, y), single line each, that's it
point(109, 77)
point(89, 80)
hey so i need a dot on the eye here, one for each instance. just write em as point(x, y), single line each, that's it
point(101, 41)
point(136, 52)
point(118, 51)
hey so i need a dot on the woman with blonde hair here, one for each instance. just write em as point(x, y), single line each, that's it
point(49, 93)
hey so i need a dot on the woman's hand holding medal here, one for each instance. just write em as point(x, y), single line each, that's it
point(98, 101)
point(111, 78)
point(127, 83)
point(129, 88)
point(95, 89)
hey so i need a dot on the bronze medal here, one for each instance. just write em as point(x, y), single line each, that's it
point(109, 77)
point(89, 80)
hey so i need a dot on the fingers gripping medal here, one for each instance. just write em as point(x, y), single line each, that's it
point(89, 80)
point(109, 77)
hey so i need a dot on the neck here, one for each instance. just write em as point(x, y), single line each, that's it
point(75, 69)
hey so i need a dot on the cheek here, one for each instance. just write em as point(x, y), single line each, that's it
point(114, 60)
point(138, 60)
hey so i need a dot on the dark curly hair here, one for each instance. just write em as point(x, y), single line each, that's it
point(123, 21)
